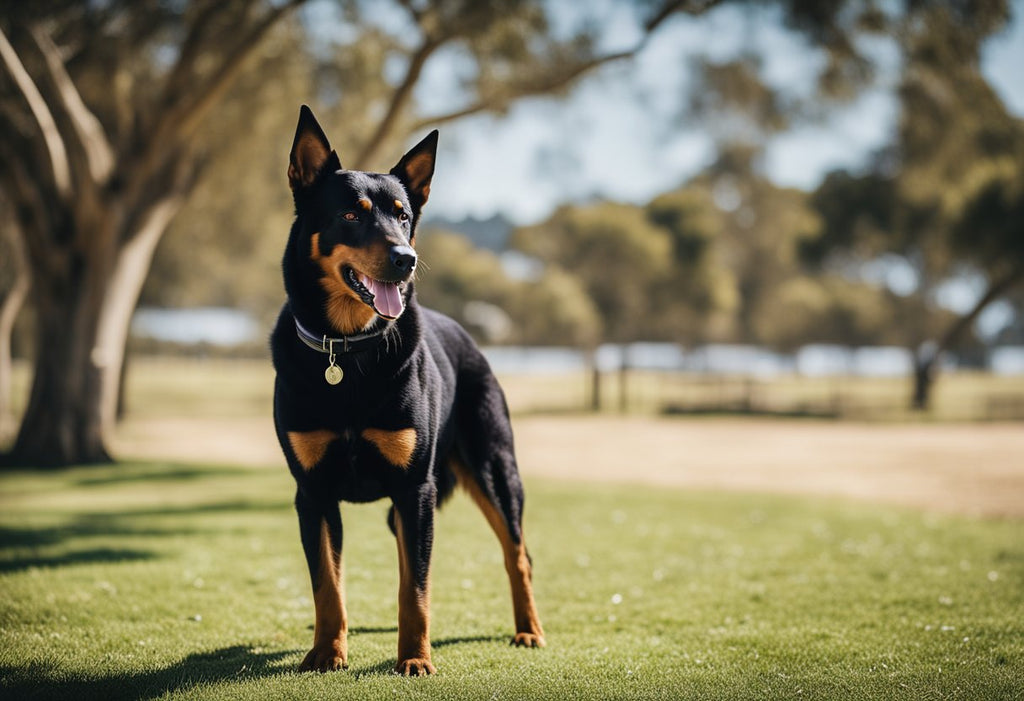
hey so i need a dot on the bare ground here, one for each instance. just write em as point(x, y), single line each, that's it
point(975, 469)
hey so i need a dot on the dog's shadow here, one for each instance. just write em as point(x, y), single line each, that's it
point(387, 667)
point(41, 681)
point(38, 681)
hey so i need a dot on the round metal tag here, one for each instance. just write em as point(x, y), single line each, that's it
point(333, 375)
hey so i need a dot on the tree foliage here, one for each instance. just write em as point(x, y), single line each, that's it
point(618, 255)
point(100, 105)
point(453, 272)
point(224, 247)
point(103, 108)
point(120, 121)
point(945, 197)
point(551, 308)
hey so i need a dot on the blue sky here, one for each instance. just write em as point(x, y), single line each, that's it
point(618, 135)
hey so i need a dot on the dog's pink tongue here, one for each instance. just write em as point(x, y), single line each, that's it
point(387, 299)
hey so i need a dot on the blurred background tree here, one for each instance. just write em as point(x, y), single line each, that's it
point(471, 284)
point(618, 255)
point(698, 301)
point(102, 108)
point(944, 200)
point(454, 273)
point(14, 287)
point(125, 120)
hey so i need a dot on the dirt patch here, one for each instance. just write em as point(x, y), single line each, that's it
point(975, 469)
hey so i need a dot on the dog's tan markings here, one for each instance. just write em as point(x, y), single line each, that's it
point(308, 157)
point(419, 170)
point(413, 614)
point(399, 205)
point(347, 313)
point(330, 632)
point(517, 563)
point(310, 446)
point(365, 203)
point(397, 447)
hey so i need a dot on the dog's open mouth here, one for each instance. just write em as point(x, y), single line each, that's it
point(384, 297)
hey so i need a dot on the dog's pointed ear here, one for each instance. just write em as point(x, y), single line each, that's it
point(311, 153)
point(416, 169)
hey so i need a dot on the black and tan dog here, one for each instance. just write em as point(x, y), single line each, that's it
point(378, 397)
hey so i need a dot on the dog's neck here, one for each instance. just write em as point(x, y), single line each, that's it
point(340, 344)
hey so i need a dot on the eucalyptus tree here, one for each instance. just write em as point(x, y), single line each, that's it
point(101, 107)
point(945, 198)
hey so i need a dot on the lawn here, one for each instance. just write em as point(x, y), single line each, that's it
point(165, 580)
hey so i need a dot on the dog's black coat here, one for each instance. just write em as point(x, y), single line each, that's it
point(417, 375)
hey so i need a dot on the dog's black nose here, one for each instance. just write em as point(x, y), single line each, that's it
point(403, 258)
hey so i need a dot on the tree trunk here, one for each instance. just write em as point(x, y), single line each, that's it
point(927, 356)
point(121, 296)
point(84, 308)
point(122, 394)
point(90, 232)
point(9, 309)
point(594, 372)
point(62, 423)
point(624, 379)
point(924, 377)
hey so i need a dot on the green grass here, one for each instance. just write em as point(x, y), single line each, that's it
point(175, 581)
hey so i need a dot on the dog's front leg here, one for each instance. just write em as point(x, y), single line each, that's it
point(320, 528)
point(414, 530)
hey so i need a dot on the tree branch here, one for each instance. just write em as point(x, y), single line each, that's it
point(32, 205)
point(179, 78)
point(11, 302)
point(996, 289)
point(497, 103)
point(672, 6)
point(179, 116)
point(399, 99)
point(176, 178)
point(98, 152)
point(181, 119)
point(431, 43)
point(413, 11)
point(122, 294)
point(193, 112)
point(44, 118)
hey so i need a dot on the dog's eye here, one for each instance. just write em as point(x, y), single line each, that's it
point(350, 216)
point(402, 216)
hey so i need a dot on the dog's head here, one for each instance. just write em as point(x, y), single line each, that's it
point(357, 229)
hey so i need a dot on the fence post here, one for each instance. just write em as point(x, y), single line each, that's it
point(595, 380)
point(623, 379)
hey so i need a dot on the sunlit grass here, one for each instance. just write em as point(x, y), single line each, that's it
point(176, 581)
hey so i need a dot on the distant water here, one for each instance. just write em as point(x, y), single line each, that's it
point(219, 326)
point(1007, 360)
point(228, 327)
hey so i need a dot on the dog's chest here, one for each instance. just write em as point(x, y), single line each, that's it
point(370, 462)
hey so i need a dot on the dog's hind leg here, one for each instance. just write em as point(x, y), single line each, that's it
point(320, 529)
point(485, 466)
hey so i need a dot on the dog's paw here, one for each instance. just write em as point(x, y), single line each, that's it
point(324, 658)
point(528, 640)
point(415, 667)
